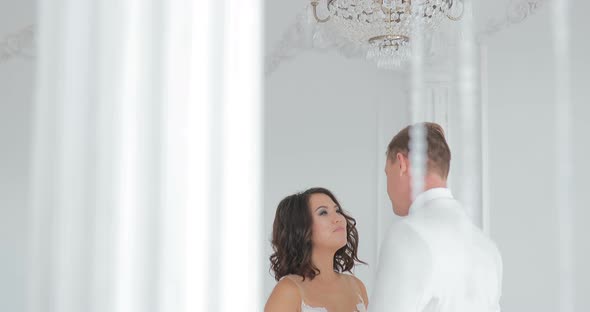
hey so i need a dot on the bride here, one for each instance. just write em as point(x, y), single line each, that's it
point(315, 242)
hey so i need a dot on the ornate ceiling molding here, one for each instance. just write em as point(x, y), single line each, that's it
point(19, 44)
point(516, 12)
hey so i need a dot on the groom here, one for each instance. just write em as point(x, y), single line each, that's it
point(434, 258)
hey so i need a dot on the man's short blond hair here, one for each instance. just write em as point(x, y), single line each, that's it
point(439, 154)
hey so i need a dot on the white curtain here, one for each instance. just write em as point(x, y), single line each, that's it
point(564, 146)
point(147, 157)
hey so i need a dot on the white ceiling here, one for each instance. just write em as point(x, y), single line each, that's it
point(490, 16)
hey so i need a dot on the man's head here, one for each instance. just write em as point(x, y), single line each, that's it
point(397, 165)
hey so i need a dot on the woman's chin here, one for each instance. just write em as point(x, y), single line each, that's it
point(341, 244)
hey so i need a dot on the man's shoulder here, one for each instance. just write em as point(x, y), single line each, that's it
point(444, 202)
point(404, 233)
point(402, 226)
point(405, 247)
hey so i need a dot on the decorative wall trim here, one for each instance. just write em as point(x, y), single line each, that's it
point(516, 12)
point(19, 44)
point(293, 41)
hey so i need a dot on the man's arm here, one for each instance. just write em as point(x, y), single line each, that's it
point(404, 272)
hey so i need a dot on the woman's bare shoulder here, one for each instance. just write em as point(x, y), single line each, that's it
point(360, 285)
point(285, 296)
point(351, 277)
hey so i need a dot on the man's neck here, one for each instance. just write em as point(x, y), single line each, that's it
point(434, 181)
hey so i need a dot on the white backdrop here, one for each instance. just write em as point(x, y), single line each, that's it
point(335, 106)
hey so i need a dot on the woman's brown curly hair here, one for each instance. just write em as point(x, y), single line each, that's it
point(291, 238)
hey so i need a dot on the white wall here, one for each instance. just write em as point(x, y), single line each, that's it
point(16, 95)
point(523, 216)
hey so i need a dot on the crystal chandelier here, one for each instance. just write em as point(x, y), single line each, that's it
point(384, 27)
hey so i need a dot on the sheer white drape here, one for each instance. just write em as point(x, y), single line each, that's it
point(564, 138)
point(469, 103)
point(417, 144)
point(146, 157)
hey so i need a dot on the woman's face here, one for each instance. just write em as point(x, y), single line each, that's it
point(328, 224)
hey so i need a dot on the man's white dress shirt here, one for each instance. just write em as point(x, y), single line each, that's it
point(436, 259)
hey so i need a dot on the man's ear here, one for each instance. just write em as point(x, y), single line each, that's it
point(402, 162)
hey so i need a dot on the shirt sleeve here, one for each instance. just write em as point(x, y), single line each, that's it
point(404, 272)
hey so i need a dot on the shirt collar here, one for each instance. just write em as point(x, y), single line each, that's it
point(428, 195)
